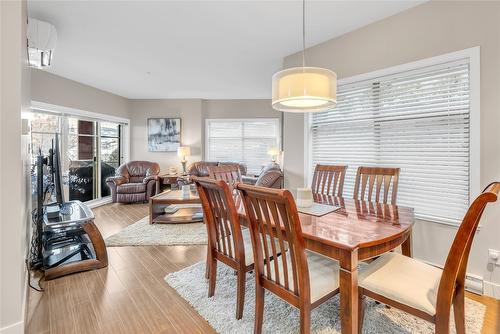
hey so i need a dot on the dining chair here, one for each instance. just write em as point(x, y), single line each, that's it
point(421, 289)
point(226, 241)
point(303, 279)
point(328, 180)
point(369, 177)
point(229, 173)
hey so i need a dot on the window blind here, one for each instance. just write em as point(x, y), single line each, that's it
point(242, 140)
point(416, 120)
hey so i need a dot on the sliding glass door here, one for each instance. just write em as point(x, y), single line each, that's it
point(90, 152)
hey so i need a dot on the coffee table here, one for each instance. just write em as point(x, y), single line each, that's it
point(158, 203)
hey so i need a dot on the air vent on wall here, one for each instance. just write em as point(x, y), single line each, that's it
point(42, 39)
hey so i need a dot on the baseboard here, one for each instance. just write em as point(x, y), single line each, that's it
point(98, 202)
point(17, 328)
point(492, 289)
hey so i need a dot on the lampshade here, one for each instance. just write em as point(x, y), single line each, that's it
point(273, 151)
point(304, 89)
point(183, 151)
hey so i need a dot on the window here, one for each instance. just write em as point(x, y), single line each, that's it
point(418, 120)
point(242, 140)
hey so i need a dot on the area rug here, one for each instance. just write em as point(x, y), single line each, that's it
point(142, 233)
point(280, 317)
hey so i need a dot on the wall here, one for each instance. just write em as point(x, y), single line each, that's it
point(428, 30)
point(193, 113)
point(50, 88)
point(14, 208)
point(189, 110)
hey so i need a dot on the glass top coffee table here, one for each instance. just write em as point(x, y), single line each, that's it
point(187, 208)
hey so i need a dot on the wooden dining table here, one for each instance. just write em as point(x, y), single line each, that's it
point(357, 231)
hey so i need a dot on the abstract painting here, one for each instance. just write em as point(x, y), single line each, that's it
point(164, 134)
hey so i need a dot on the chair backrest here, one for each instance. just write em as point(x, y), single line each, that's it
point(369, 177)
point(328, 180)
point(456, 262)
point(274, 222)
point(229, 173)
point(221, 217)
point(271, 176)
point(136, 171)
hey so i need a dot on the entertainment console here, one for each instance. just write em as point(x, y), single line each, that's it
point(71, 242)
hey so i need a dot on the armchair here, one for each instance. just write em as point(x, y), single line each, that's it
point(271, 176)
point(135, 181)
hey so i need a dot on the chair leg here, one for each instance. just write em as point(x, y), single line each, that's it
point(443, 323)
point(207, 265)
point(259, 308)
point(361, 311)
point(459, 310)
point(305, 318)
point(212, 277)
point(240, 296)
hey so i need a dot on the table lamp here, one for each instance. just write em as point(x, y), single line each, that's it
point(274, 152)
point(183, 152)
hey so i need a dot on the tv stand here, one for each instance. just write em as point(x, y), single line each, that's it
point(71, 242)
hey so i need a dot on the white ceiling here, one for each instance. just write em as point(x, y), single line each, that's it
point(192, 49)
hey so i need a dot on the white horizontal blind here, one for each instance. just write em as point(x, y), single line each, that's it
point(242, 140)
point(416, 120)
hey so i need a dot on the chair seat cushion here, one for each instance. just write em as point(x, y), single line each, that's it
point(404, 280)
point(131, 188)
point(323, 274)
point(247, 244)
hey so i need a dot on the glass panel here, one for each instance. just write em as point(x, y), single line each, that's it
point(110, 160)
point(44, 123)
point(78, 126)
point(110, 129)
point(81, 180)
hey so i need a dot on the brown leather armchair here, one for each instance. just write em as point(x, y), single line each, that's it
point(135, 181)
point(271, 176)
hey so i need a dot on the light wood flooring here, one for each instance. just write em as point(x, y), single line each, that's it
point(130, 295)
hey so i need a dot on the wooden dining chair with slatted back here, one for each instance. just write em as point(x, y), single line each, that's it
point(301, 278)
point(227, 242)
point(421, 289)
point(328, 180)
point(370, 181)
point(229, 173)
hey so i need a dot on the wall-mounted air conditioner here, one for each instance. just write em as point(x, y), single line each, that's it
point(42, 39)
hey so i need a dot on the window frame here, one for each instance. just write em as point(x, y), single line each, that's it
point(257, 119)
point(473, 56)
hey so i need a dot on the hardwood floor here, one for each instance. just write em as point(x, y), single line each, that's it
point(130, 295)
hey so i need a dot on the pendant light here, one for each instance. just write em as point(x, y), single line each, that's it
point(304, 89)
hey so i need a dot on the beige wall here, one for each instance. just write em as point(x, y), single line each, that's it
point(14, 205)
point(188, 110)
point(193, 113)
point(428, 30)
point(49, 88)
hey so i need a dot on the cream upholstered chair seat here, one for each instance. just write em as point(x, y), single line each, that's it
point(404, 280)
point(323, 274)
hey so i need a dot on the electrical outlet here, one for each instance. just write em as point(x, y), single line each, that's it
point(494, 256)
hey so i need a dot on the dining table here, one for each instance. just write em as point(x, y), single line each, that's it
point(356, 231)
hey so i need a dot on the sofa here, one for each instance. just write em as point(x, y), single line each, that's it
point(271, 175)
point(135, 181)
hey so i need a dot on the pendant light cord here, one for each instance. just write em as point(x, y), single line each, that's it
point(303, 33)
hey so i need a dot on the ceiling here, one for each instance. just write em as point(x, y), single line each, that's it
point(193, 49)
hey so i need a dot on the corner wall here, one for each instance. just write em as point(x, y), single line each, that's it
point(14, 205)
point(431, 29)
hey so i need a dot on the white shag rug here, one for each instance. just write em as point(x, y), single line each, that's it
point(280, 317)
point(142, 233)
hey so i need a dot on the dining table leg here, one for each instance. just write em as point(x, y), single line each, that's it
point(349, 292)
point(406, 246)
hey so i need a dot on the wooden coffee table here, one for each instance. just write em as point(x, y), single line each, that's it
point(158, 203)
